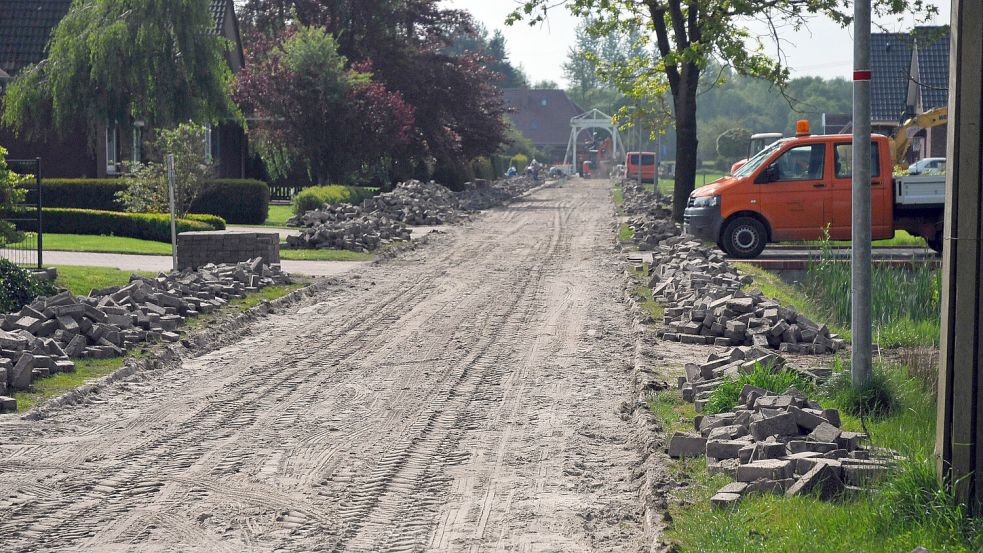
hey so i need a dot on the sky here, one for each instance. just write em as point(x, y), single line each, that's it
point(824, 49)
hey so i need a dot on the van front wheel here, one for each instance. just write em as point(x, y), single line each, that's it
point(744, 238)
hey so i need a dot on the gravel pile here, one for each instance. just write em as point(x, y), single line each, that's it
point(705, 304)
point(773, 443)
point(43, 337)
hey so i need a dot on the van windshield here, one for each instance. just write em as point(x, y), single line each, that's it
point(757, 160)
point(647, 159)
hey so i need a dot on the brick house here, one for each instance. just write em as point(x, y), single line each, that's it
point(26, 27)
point(543, 116)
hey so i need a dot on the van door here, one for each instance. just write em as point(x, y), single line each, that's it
point(793, 193)
point(881, 190)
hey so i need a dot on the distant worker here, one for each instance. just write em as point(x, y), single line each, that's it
point(512, 172)
point(587, 166)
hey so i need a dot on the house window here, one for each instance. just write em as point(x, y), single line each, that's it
point(112, 148)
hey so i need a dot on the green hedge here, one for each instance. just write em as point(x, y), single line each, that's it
point(316, 196)
point(214, 221)
point(145, 226)
point(237, 201)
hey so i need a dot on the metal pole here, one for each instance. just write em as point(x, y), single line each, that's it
point(959, 430)
point(170, 193)
point(860, 251)
point(639, 123)
point(40, 217)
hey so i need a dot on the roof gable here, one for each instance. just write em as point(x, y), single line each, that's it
point(26, 27)
point(543, 116)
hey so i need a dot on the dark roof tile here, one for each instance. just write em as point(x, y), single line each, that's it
point(26, 26)
point(890, 62)
point(932, 45)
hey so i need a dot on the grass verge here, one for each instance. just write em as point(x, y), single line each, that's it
point(88, 370)
point(325, 255)
point(907, 510)
point(625, 233)
point(81, 280)
point(787, 294)
point(648, 304)
point(133, 246)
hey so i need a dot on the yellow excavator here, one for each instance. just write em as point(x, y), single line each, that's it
point(906, 132)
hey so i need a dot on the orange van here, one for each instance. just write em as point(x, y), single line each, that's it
point(796, 187)
point(640, 162)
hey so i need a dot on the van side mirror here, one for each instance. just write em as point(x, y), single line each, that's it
point(769, 174)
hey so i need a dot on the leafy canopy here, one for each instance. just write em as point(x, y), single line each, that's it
point(159, 61)
point(314, 112)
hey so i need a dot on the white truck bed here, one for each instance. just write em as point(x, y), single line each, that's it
point(919, 190)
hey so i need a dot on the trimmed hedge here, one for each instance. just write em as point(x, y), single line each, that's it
point(237, 201)
point(214, 221)
point(145, 226)
point(315, 197)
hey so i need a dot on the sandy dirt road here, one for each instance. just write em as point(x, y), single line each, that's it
point(464, 397)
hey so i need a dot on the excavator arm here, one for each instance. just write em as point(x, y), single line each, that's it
point(906, 132)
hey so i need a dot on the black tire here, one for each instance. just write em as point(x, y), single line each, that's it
point(744, 238)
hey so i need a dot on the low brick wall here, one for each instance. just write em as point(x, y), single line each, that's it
point(195, 249)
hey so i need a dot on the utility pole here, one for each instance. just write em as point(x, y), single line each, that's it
point(170, 194)
point(959, 430)
point(860, 252)
point(640, 158)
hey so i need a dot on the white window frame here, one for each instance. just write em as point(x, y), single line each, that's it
point(112, 147)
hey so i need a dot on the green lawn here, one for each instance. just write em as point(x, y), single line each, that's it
point(116, 244)
point(99, 244)
point(81, 280)
point(325, 255)
point(278, 215)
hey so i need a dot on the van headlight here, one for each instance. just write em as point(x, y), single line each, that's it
point(706, 201)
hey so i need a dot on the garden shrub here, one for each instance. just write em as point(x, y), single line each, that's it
point(144, 226)
point(237, 201)
point(214, 221)
point(314, 197)
point(18, 287)
point(520, 162)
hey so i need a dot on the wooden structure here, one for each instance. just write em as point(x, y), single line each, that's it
point(959, 442)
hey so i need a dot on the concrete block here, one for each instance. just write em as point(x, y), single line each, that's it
point(724, 449)
point(771, 469)
point(723, 500)
point(22, 373)
point(782, 425)
point(825, 432)
point(687, 444)
point(822, 480)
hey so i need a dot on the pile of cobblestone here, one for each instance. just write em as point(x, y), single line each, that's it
point(382, 219)
point(641, 201)
point(705, 304)
point(365, 233)
point(42, 338)
point(649, 232)
point(774, 443)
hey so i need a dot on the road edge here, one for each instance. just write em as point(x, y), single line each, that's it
point(647, 433)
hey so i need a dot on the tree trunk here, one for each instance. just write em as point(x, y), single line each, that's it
point(684, 100)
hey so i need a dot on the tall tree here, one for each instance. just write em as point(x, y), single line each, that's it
point(689, 34)
point(313, 110)
point(459, 110)
point(155, 60)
